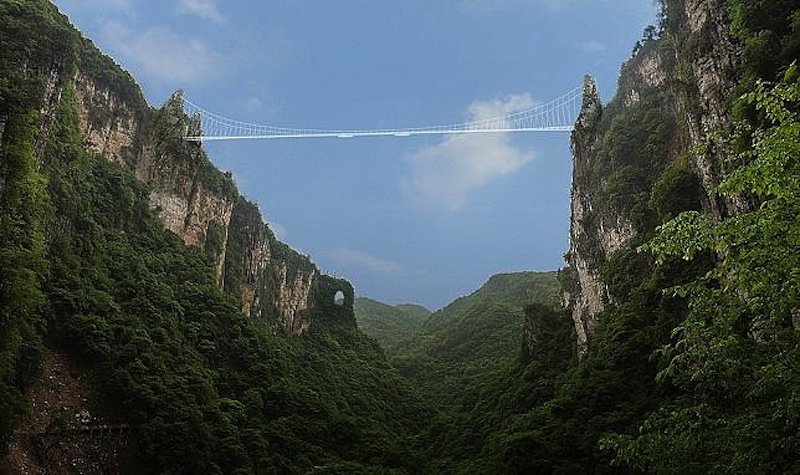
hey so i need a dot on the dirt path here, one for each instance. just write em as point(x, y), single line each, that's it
point(65, 430)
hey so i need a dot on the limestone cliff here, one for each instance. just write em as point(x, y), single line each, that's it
point(706, 54)
point(193, 199)
point(617, 151)
point(669, 110)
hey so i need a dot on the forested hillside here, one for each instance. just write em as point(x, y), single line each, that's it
point(683, 282)
point(684, 279)
point(150, 322)
point(474, 336)
point(89, 271)
point(390, 325)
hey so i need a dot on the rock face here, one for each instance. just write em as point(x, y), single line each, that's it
point(705, 99)
point(588, 298)
point(671, 102)
point(600, 225)
point(535, 326)
point(193, 199)
point(277, 285)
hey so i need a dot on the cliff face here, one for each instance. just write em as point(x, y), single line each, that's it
point(616, 151)
point(671, 106)
point(192, 198)
point(587, 297)
point(276, 284)
point(708, 55)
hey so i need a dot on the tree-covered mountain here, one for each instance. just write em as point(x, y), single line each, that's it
point(150, 322)
point(390, 325)
point(478, 357)
point(683, 282)
point(513, 289)
point(125, 253)
point(474, 336)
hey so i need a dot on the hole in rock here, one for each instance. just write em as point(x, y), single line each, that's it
point(338, 299)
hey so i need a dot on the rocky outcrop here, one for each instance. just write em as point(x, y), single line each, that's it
point(192, 198)
point(687, 77)
point(609, 178)
point(292, 299)
point(705, 101)
point(278, 286)
point(588, 296)
point(110, 125)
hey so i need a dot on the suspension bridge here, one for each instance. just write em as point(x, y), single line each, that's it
point(558, 115)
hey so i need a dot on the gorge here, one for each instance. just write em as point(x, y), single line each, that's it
point(152, 322)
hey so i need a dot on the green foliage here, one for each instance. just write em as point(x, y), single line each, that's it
point(24, 206)
point(770, 33)
point(465, 359)
point(391, 326)
point(481, 421)
point(208, 390)
point(245, 222)
point(736, 354)
point(170, 126)
point(701, 378)
point(87, 266)
point(612, 389)
point(514, 289)
point(482, 339)
point(677, 189)
point(474, 335)
point(104, 71)
point(634, 148)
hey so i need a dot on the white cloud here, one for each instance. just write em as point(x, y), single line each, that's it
point(253, 104)
point(362, 260)
point(203, 8)
point(278, 229)
point(444, 175)
point(492, 6)
point(164, 55)
point(592, 46)
point(100, 6)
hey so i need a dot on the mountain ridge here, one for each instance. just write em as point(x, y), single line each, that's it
point(129, 259)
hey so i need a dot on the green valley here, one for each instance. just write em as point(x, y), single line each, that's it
point(151, 321)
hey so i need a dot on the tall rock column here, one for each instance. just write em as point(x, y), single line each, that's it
point(587, 298)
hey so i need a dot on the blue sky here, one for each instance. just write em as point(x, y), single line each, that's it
point(405, 219)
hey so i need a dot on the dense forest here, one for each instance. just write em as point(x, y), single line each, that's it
point(691, 365)
point(87, 268)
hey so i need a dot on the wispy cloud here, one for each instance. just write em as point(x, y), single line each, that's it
point(592, 46)
point(253, 104)
point(361, 260)
point(203, 8)
point(444, 175)
point(102, 6)
point(492, 6)
point(164, 55)
point(279, 230)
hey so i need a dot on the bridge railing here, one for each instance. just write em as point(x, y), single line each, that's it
point(558, 115)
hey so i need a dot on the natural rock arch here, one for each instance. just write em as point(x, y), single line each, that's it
point(338, 298)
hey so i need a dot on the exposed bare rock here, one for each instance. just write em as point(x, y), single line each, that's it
point(149, 143)
point(588, 298)
point(599, 227)
point(713, 67)
point(109, 125)
point(694, 71)
point(292, 300)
